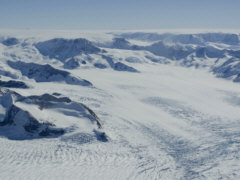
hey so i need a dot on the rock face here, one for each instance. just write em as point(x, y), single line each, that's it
point(121, 43)
point(48, 101)
point(10, 41)
point(63, 49)
point(46, 73)
point(23, 120)
point(71, 63)
point(229, 69)
point(100, 66)
point(19, 123)
point(123, 67)
point(13, 84)
point(119, 66)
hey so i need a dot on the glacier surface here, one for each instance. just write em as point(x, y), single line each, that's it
point(119, 105)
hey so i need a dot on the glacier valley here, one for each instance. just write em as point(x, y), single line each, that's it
point(119, 105)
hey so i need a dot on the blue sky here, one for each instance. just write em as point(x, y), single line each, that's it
point(120, 14)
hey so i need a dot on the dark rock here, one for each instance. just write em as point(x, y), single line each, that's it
point(123, 67)
point(234, 53)
point(201, 52)
point(100, 65)
point(118, 66)
point(95, 117)
point(51, 132)
point(23, 125)
point(32, 125)
point(56, 94)
point(10, 41)
point(109, 60)
point(120, 43)
point(13, 84)
point(37, 71)
point(46, 73)
point(10, 115)
point(44, 100)
point(101, 136)
point(228, 69)
point(63, 49)
point(71, 64)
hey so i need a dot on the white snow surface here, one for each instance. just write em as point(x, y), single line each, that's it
point(166, 121)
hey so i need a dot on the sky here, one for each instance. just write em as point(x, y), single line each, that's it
point(119, 14)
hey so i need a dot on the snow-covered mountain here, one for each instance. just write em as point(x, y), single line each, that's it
point(119, 105)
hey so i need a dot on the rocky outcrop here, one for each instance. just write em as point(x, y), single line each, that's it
point(13, 84)
point(46, 73)
point(10, 41)
point(22, 123)
point(63, 49)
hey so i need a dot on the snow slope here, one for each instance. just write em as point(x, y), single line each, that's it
point(152, 110)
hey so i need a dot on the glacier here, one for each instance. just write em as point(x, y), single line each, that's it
point(119, 105)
